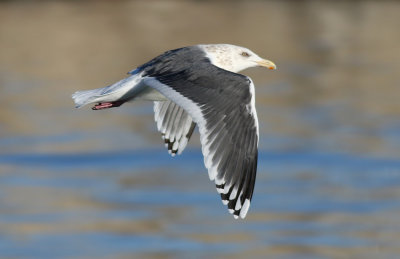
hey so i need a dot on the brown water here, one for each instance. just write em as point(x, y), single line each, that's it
point(84, 184)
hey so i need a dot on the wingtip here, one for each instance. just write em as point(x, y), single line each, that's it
point(245, 208)
point(240, 210)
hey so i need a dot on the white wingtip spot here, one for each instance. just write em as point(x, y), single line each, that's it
point(223, 190)
point(233, 194)
point(226, 189)
point(175, 145)
point(231, 211)
point(225, 202)
point(212, 172)
point(238, 205)
point(219, 181)
point(236, 216)
point(182, 145)
point(245, 208)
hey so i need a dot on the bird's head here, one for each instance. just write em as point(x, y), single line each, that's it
point(234, 58)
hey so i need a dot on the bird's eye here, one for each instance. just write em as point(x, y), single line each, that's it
point(245, 54)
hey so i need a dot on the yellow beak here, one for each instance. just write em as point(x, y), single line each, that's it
point(266, 63)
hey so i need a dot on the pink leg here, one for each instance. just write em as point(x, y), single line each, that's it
point(107, 105)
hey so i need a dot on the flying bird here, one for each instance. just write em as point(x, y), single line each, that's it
point(200, 85)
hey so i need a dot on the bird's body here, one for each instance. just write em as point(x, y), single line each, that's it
point(199, 85)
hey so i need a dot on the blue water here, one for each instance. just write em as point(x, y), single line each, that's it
point(302, 201)
point(75, 183)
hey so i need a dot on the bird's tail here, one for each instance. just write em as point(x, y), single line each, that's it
point(82, 98)
point(122, 90)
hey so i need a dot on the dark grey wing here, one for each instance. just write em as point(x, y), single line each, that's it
point(175, 125)
point(223, 105)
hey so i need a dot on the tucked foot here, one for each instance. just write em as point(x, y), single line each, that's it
point(101, 106)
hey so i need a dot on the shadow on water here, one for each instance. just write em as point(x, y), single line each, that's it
point(84, 184)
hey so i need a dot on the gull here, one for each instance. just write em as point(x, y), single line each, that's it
point(200, 86)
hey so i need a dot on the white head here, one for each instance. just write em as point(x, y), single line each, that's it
point(234, 58)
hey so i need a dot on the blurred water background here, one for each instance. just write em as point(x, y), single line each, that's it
point(85, 184)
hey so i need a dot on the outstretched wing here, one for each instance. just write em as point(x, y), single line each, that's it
point(223, 105)
point(175, 125)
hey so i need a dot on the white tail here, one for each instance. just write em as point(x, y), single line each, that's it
point(127, 88)
point(124, 90)
point(82, 98)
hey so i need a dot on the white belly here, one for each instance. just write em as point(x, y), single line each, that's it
point(150, 94)
point(132, 88)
